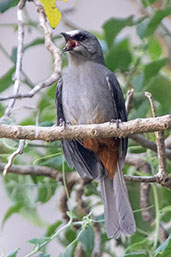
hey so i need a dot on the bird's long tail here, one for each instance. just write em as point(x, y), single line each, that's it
point(117, 209)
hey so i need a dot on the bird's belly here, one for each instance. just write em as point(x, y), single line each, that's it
point(87, 107)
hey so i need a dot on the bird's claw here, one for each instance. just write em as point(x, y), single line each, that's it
point(63, 123)
point(117, 121)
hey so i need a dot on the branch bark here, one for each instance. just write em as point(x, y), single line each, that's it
point(104, 130)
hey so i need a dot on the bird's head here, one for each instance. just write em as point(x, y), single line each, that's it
point(82, 46)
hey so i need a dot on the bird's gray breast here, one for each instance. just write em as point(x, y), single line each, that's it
point(86, 97)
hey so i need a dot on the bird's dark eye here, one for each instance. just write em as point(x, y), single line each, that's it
point(82, 37)
point(79, 37)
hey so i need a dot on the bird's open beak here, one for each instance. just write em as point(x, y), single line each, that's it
point(66, 36)
point(70, 42)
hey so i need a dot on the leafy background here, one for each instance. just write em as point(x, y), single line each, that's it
point(144, 66)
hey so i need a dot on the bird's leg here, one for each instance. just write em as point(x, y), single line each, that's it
point(117, 121)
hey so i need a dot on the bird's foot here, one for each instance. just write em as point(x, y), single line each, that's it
point(117, 121)
point(63, 123)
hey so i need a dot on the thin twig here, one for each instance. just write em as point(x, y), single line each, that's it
point(43, 84)
point(129, 97)
point(149, 96)
point(33, 170)
point(131, 159)
point(160, 142)
point(21, 5)
point(56, 53)
point(13, 155)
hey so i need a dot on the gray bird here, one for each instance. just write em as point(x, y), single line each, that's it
point(89, 93)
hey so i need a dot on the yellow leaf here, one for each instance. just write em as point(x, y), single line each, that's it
point(52, 12)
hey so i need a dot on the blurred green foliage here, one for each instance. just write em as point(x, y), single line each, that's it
point(143, 66)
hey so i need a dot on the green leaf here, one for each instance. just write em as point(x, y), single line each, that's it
point(135, 255)
point(33, 215)
point(149, 26)
point(46, 191)
point(141, 245)
point(54, 162)
point(52, 228)
point(69, 251)
point(38, 241)
point(14, 54)
point(142, 27)
point(166, 209)
point(87, 239)
point(119, 56)
point(2, 109)
point(70, 235)
point(19, 192)
point(13, 253)
point(138, 81)
point(148, 2)
point(164, 250)
point(46, 124)
point(136, 237)
point(154, 49)
point(43, 255)
point(6, 80)
point(160, 88)
point(6, 4)
point(11, 210)
point(37, 41)
point(152, 69)
point(113, 26)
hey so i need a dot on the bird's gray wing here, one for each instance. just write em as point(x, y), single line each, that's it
point(58, 101)
point(119, 106)
point(83, 160)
